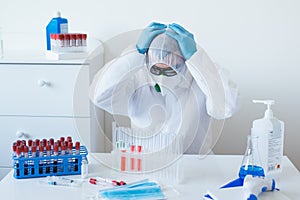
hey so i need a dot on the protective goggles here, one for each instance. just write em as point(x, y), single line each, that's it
point(163, 71)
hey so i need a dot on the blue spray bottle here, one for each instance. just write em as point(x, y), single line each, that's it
point(56, 25)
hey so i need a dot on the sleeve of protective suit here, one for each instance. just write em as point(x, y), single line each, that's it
point(118, 73)
point(221, 94)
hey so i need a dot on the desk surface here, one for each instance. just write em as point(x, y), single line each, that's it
point(198, 176)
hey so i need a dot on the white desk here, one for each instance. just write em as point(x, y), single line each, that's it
point(199, 175)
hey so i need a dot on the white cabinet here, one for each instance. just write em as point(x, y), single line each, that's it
point(41, 98)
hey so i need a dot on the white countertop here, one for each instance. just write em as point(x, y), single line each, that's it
point(199, 175)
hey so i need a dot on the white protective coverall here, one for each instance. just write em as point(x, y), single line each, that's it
point(189, 103)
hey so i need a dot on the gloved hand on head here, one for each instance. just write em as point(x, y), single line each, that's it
point(148, 34)
point(184, 39)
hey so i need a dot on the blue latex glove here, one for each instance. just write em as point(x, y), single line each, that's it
point(148, 34)
point(184, 39)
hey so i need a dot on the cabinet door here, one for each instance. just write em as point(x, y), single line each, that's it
point(44, 90)
point(40, 127)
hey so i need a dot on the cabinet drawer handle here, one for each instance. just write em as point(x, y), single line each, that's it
point(43, 83)
point(20, 134)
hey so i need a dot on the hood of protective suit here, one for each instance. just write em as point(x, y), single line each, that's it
point(164, 49)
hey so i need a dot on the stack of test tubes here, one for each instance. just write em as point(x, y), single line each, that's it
point(156, 156)
point(38, 158)
point(71, 42)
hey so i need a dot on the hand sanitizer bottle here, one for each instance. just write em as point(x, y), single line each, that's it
point(56, 25)
point(270, 133)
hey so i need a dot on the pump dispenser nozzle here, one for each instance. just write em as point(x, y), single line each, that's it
point(269, 112)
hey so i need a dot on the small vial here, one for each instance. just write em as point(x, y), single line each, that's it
point(84, 168)
point(18, 142)
point(41, 151)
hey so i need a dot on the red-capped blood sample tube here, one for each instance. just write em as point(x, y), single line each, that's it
point(132, 157)
point(51, 141)
point(19, 142)
point(69, 139)
point(37, 142)
point(72, 40)
point(48, 149)
point(78, 40)
point(24, 142)
point(30, 144)
point(60, 42)
point(77, 146)
point(33, 151)
point(139, 160)
point(84, 40)
point(123, 159)
point(67, 40)
point(44, 142)
point(41, 151)
point(14, 148)
point(25, 162)
point(62, 139)
point(70, 147)
point(63, 150)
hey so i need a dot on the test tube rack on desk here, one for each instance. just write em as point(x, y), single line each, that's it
point(46, 158)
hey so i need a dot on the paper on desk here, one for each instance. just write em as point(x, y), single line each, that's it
point(237, 193)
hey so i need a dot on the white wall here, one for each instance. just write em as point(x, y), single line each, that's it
point(258, 41)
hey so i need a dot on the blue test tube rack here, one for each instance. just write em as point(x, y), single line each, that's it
point(42, 166)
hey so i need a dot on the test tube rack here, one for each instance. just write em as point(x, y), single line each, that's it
point(53, 165)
